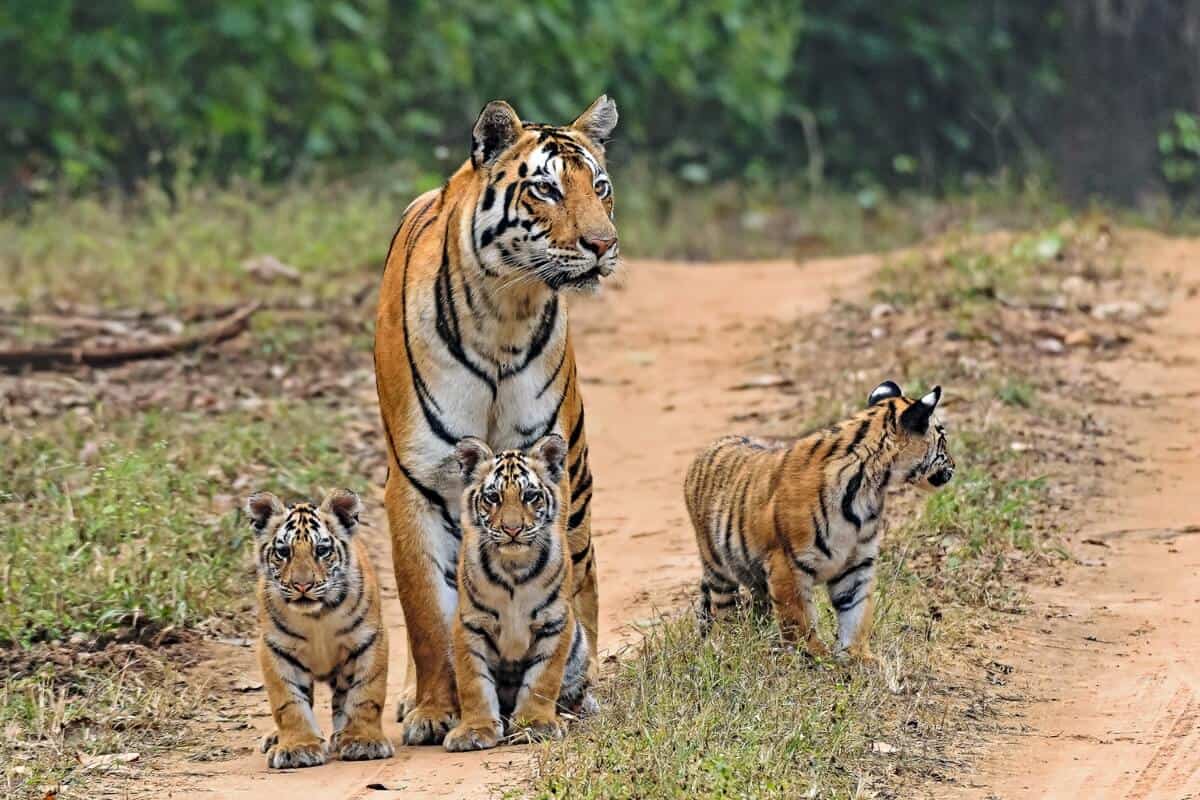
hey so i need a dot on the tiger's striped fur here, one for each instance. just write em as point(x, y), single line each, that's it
point(519, 650)
point(779, 517)
point(320, 620)
point(471, 339)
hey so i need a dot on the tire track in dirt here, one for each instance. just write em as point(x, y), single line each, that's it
point(657, 355)
point(1118, 717)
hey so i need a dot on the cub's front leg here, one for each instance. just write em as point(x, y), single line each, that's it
point(851, 595)
point(474, 658)
point(536, 709)
point(360, 690)
point(297, 740)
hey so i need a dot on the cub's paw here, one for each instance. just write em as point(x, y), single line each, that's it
point(588, 707)
point(299, 754)
point(268, 742)
point(816, 648)
point(857, 655)
point(536, 729)
point(356, 747)
point(472, 737)
point(406, 703)
point(428, 725)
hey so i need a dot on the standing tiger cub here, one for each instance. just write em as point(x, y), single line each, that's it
point(519, 650)
point(781, 517)
point(319, 614)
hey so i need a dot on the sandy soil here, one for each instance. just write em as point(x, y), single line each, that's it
point(658, 356)
point(1112, 657)
point(1109, 659)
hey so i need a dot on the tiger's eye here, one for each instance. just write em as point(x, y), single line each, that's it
point(490, 496)
point(323, 549)
point(283, 551)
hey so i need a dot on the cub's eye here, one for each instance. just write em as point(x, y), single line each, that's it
point(491, 497)
point(545, 190)
point(323, 549)
point(531, 496)
point(283, 550)
point(603, 188)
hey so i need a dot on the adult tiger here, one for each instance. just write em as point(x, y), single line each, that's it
point(471, 340)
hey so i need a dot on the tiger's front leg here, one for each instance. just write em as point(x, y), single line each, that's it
point(585, 600)
point(429, 604)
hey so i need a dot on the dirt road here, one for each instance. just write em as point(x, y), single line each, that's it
point(658, 355)
point(1112, 656)
point(1110, 659)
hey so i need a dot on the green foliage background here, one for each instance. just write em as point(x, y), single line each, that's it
point(899, 92)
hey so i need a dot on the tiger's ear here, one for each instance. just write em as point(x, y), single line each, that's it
point(495, 131)
point(345, 506)
point(260, 507)
point(552, 450)
point(882, 392)
point(598, 122)
point(916, 417)
point(470, 453)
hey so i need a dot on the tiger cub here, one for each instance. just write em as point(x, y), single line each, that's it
point(519, 650)
point(319, 614)
point(781, 517)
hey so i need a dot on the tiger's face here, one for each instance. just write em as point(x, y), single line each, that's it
point(924, 458)
point(303, 549)
point(512, 496)
point(545, 211)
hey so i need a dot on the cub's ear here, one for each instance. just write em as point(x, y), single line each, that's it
point(495, 131)
point(260, 507)
point(345, 506)
point(552, 450)
point(883, 391)
point(471, 452)
point(916, 417)
point(598, 122)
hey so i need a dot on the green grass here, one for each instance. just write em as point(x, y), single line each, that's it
point(135, 518)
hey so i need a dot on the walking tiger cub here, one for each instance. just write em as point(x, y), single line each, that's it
point(781, 517)
point(519, 650)
point(319, 614)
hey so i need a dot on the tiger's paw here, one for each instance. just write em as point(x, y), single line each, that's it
point(428, 725)
point(362, 747)
point(306, 753)
point(268, 742)
point(472, 737)
point(406, 703)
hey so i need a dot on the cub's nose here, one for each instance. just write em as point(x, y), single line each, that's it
point(302, 587)
point(597, 244)
point(512, 531)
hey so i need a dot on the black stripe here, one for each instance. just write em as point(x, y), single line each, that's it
point(578, 489)
point(859, 435)
point(473, 597)
point(446, 320)
point(304, 690)
point(551, 628)
point(543, 428)
point(582, 554)
point(354, 623)
point(550, 598)
point(844, 601)
point(866, 562)
point(284, 655)
point(484, 634)
point(851, 492)
point(435, 500)
point(549, 381)
point(576, 519)
point(278, 623)
point(541, 336)
point(536, 569)
point(819, 537)
point(485, 560)
point(724, 604)
point(362, 648)
point(577, 431)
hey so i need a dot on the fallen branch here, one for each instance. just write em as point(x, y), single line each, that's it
point(50, 357)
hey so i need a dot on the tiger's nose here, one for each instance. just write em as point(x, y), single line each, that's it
point(302, 587)
point(512, 530)
point(597, 244)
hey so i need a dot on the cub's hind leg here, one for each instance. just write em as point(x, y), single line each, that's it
point(791, 589)
point(360, 690)
point(297, 740)
point(719, 597)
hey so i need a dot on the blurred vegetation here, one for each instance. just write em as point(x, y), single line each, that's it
point(864, 93)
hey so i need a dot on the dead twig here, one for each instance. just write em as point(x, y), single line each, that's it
point(51, 357)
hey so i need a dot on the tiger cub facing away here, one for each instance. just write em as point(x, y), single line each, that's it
point(319, 614)
point(519, 651)
point(781, 517)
